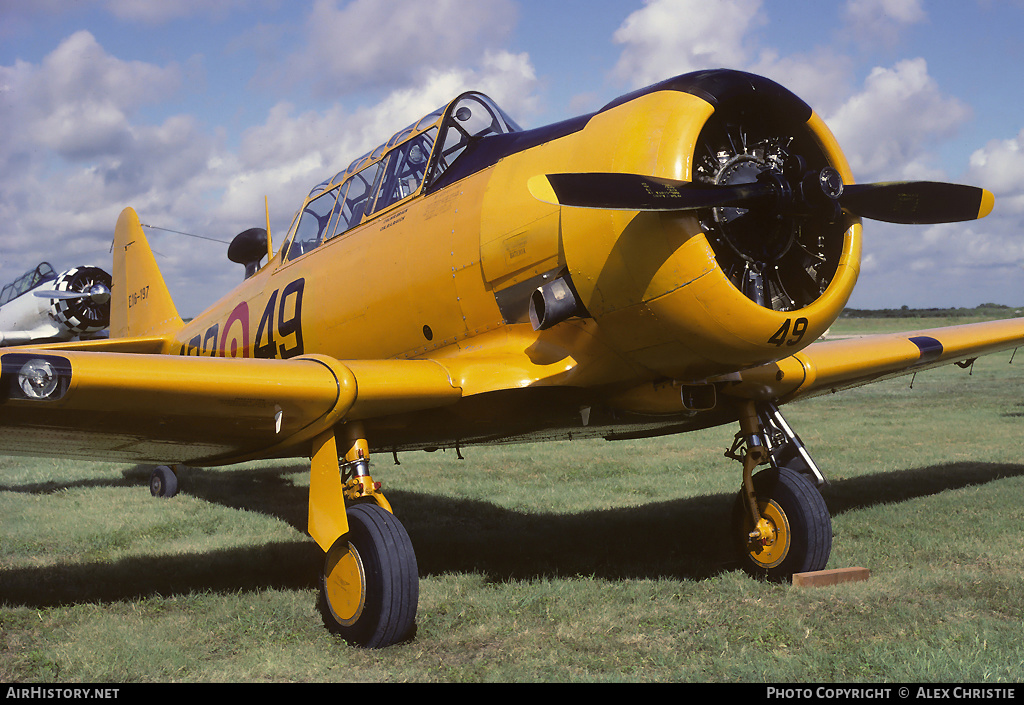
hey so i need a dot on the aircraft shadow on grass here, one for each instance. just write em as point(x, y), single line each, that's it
point(667, 539)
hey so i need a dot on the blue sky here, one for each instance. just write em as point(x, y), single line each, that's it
point(191, 111)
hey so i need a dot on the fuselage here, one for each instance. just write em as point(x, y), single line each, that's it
point(445, 268)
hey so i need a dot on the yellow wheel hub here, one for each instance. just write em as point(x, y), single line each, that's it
point(345, 585)
point(769, 540)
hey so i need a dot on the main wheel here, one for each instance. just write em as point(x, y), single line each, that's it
point(163, 482)
point(369, 587)
point(801, 527)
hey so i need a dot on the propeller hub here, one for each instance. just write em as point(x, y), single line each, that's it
point(99, 293)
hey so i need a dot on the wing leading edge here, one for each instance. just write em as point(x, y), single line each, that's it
point(829, 366)
point(197, 410)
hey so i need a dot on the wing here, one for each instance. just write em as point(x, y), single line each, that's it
point(829, 366)
point(196, 410)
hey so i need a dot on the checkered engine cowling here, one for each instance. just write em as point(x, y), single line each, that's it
point(82, 315)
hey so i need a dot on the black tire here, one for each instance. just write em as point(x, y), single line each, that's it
point(163, 482)
point(369, 586)
point(801, 522)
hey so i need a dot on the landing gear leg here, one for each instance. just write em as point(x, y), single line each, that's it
point(780, 520)
point(369, 585)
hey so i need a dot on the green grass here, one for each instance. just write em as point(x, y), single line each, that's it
point(575, 561)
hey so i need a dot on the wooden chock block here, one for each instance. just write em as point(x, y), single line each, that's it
point(822, 578)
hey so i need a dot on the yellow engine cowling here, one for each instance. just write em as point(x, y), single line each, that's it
point(694, 294)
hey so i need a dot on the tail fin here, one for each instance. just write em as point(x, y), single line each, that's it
point(140, 303)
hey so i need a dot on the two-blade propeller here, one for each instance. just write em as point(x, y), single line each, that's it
point(911, 202)
point(99, 293)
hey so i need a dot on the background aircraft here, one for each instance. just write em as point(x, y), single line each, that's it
point(42, 306)
point(662, 265)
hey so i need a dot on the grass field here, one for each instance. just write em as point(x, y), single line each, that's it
point(575, 561)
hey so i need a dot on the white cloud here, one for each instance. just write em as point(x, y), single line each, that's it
point(821, 78)
point(952, 264)
point(77, 102)
point(888, 129)
point(152, 13)
point(368, 44)
point(999, 167)
point(77, 153)
point(670, 37)
point(290, 152)
point(880, 21)
point(92, 130)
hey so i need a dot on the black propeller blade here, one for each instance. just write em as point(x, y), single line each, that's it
point(99, 293)
point(611, 191)
point(916, 202)
point(919, 202)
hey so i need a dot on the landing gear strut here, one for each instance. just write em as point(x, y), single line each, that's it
point(780, 521)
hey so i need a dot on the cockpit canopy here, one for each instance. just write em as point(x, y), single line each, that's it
point(27, 282)
point(411, 162)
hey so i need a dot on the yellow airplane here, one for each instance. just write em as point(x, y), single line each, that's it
point(664, 264)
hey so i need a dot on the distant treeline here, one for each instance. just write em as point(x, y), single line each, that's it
point(997, 310)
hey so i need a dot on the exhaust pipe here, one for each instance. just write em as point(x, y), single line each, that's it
point(553, 303)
